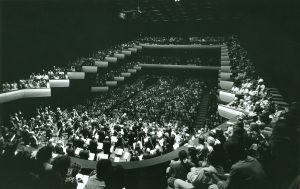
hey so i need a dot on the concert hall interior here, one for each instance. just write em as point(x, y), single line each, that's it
point(142, 94)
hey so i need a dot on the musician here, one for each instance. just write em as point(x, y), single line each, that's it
point(101, 134)
point(48, 132)
point(87, 130)
point(69, 129)
point(120, 142)
point(70, 150)
point(107, 145)
point(74, 113)
point(93, 145)
point(26, 135)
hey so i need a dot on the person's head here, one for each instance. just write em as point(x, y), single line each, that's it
point(84, 154)
point(104, 168)
point(182, 155)
point(44, 154)
point(192, 152)
point(201, 139)
point(235, 151)
point(215, 158)
point(61, 164)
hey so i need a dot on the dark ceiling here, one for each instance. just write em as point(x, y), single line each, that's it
point(172, 11)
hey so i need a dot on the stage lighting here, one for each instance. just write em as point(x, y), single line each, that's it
point(122, 15)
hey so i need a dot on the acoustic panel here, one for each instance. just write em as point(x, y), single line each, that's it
point(225, 76)
point(126, 52)
point(137, 67)
point(224, 50)
point(226, 69)
point(24, 93)
point(111, 59)
point(99, 89)
point(225, 62)
point(59, 83)
point(171, 66)
point(212, 47)
point(138, 47)
point(226, 96)
point(119, 55)
point(30, 93)
point(224, 53)
point(90, 69)
point(10, 96)
point(131, 70)
point(126, 74)
point(101, 64)
point(134, 50)
point(76, 75)
point(226, 85)
point(119, 78)
point(226, 57)
point(228, 113)
point(111, 83)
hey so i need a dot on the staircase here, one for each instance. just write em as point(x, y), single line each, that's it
point(202, 111)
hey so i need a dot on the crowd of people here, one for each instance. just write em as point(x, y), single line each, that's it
point(109, 74)
point(41, 80)
point(149, 117)
point(245, 154)
point(205, 40)
point(35, 81)
point(178, 60)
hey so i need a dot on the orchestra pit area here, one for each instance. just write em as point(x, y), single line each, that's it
point(119, 97)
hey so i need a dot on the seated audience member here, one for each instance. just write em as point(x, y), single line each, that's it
point(201, 177)
point(246, 172)
point(193, 157)
point(102, 178)
point(62, 165)
point(178, 169)
point(43, 157)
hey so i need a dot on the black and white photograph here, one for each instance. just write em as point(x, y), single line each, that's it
point(149, 94)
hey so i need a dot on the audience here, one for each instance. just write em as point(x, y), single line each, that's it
point(148, 117)
point(36, 81)
point(179, 60)
point(178, 169)
point(141, 116)
point(102, 178)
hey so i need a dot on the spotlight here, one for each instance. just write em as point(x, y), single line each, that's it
point(122, 15)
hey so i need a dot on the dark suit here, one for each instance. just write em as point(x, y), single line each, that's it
point(106, 146)
point(93, 146)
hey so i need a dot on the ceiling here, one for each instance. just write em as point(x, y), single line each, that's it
point(171, 11)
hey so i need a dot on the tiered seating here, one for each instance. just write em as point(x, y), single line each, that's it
point(153, 116)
